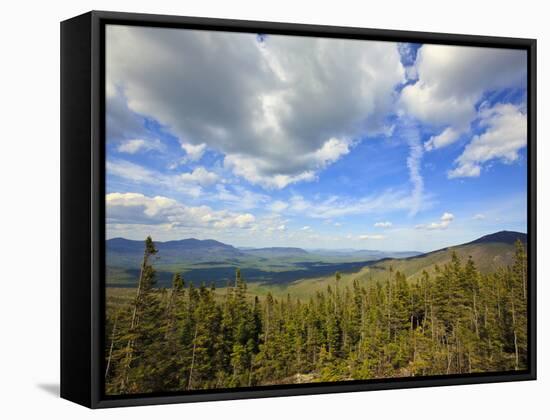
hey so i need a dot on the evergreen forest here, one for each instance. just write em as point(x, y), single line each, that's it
point(454, 320)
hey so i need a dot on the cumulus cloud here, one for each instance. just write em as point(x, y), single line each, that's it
point(479, 216)
point(445, 138)
point(383, 224)
point(452, 80)
point(193, 152)
point(505, 134)
point(200, 176)
point(187, 183)
point(135, 208)
point(134, 146)
point(443, 223)
point(279, 110)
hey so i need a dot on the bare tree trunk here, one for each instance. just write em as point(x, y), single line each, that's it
point(113, 333)
point(133, 324)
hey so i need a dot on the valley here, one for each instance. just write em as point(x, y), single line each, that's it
point(294, 271)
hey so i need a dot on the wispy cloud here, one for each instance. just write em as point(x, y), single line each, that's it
point(134, 146)
point(374, 237)
point(336, 206)
point(410, 133)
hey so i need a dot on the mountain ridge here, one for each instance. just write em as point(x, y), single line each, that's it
point(213, 261)
point(503, 236)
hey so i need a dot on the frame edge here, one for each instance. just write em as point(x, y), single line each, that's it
point(76, 265)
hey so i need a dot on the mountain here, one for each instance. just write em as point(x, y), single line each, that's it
point(276, 252)
point(504, 236)
point(128, 253)
point(489, 253)
point(365, 254)
point(211, 261)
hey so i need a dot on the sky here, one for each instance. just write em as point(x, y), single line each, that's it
point(272, 140)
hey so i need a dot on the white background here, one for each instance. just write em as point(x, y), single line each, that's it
point(29, 214)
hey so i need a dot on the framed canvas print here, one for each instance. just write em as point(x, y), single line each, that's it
point(255, 209)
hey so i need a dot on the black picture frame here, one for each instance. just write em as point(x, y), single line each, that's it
point(83, 205)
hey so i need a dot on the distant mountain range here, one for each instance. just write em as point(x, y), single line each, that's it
point(185, 249)
point(203, 249)
point(196, 250)
point(213, 261)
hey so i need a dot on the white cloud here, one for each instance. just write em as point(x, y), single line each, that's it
point(140, 176)
point(270, 225)
point(136, 145)
point(200, 176)
point(131, 171)
point(443, 223)
point(279, 111)
point(368, 237)
point(193, 152)
point(452, 80)
point(335, 206)
point(240, 221)
point(505, 135)
point(331, 151)
point(239, 198)
point(135, 208)
point(479, 216)
point(306, 228)
point(414, 161)
point(445, 138)
point(121, 123)
point(253, 169)
point(383, 224)
point(190, 182)
point(278, 206)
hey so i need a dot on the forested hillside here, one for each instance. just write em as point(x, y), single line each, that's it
point(456, 320)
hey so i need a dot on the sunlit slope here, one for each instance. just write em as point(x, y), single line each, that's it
point(488, 253)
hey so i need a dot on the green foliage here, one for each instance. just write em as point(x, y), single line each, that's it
point(456, 321)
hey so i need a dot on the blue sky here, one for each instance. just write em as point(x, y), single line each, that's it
point(317, 143)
